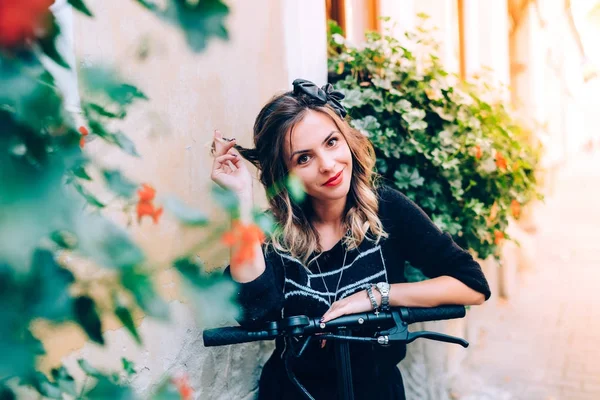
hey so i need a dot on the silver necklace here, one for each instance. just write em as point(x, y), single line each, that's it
point(339, 279)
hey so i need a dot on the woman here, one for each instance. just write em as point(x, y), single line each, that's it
point(337, 251)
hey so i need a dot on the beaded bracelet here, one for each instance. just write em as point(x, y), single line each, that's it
point(373, 300)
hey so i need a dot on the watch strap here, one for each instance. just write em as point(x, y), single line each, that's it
point(385, 297)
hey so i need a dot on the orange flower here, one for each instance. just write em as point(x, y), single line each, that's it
point(500, 161)
point(84, 132)
point(498, 237)
point(183, 386)
point(146, 193)
point(379, 59)
point(145, 206)
point(515, 208)
point(478, 152)
point(493, 213)
point(244, 238)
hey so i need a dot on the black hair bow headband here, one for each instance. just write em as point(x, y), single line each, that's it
point(321, 95)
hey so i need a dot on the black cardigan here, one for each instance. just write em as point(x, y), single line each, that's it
point(288, 288)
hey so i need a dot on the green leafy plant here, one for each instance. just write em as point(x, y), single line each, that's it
point(453, 147)
point(51, 220)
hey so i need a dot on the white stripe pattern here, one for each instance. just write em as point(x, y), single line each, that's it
point(361, 255)
point(349, 288)
point(304, 293)
point(308, 289)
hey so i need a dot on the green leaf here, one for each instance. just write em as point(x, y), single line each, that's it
point(143, 291)
point(89, 197)
point(102, 111)
point(6, 393)
point(49, 297)
point(87, 317)
point(186, 214)
point(125, 144)
point(149, 5)
point(88, 369)
point(200, 20)
point(65, 381)
point(226, 199)
point(128, 367)
point(80, 172)
point(48, 44)
point(212, 296)
point(126, 319)
point(106, 83)
point(406, 178)
point(45, 387)
point(80, 6)
point(354, 98)
point(118, 184)
point(106, 243)
point(265, 221)
point(295, 188)
point(166, 390)
point(366, 125)
point(126, 93)
point(106, 389)
point(413, 274)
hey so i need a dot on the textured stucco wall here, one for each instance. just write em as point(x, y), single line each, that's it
point(190, 95)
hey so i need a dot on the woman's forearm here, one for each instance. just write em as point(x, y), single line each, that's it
point(433, 292)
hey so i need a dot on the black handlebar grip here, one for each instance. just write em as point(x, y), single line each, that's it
point(414, 314)
point(232, 335)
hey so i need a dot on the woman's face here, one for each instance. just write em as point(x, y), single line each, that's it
point(320, 157)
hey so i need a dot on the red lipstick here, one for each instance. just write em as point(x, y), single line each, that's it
point(336, 180)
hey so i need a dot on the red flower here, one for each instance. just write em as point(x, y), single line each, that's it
point(515, 208)
point(84, 132)
point(501, 161)
point(145, 207)
point(20, 20)
point(148, 209)
point(478, 152)
point(183, 386)
point(146, 193)
point(244, 238)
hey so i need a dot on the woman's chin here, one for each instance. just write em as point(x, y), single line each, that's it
point(333, 193)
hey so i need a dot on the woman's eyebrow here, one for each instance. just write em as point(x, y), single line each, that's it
point(306, 151)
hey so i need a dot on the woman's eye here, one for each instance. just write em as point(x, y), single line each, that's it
point(303, 159)
point(332, 142)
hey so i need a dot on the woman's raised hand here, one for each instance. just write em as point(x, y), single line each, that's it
point(229, 170)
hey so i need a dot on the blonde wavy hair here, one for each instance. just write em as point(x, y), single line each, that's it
point(294, 233)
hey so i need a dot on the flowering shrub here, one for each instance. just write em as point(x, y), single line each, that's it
point(450, 146)
point(45, 203)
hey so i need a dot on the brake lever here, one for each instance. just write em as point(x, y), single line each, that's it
point(400, 333)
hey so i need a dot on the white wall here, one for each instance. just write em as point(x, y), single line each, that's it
point(272, 43)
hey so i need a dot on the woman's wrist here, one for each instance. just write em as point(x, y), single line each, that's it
point(246, 204)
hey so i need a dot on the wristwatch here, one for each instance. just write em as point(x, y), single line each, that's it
point(384, 289)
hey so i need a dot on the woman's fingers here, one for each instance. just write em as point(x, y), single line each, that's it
point(226, 157)
point(221, 145)
point(224, 163)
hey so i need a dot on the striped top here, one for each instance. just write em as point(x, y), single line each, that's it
point(287, 287)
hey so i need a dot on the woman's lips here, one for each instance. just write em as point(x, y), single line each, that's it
point(336, 180)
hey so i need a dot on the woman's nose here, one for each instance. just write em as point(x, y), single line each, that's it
point(327, 164)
